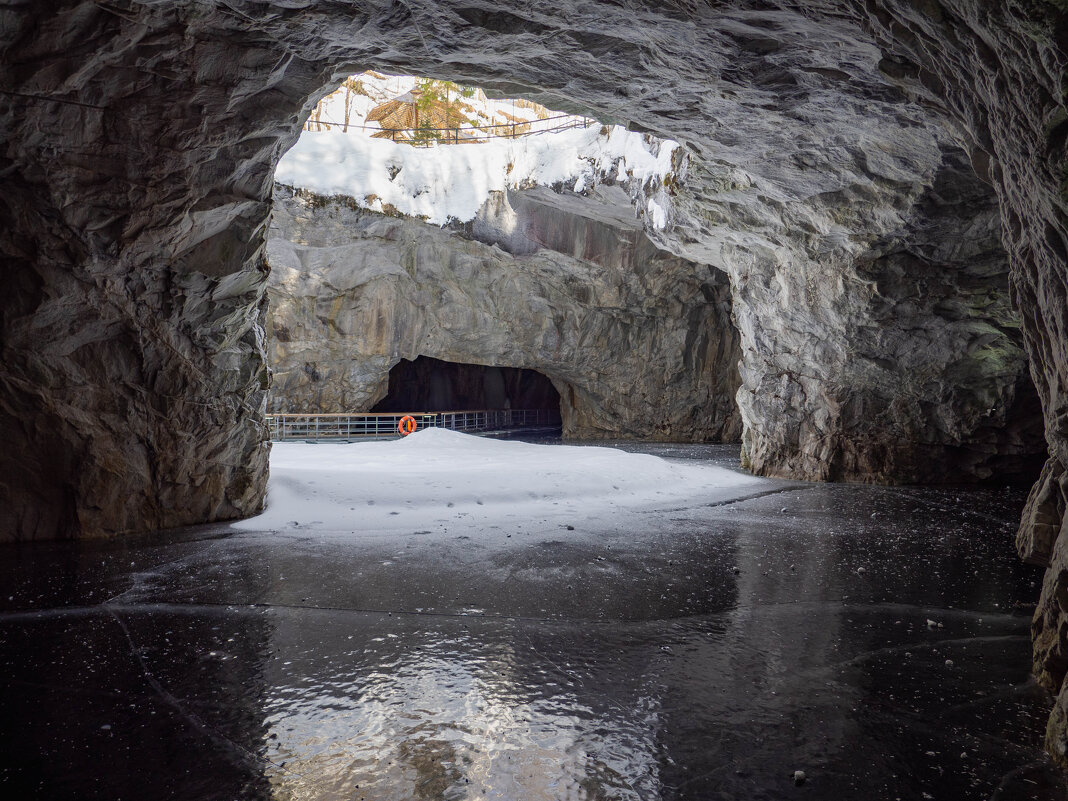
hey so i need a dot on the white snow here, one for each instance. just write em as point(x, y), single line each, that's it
point(453, 181)
point(657, 213)
point(446, 182)
point(438, 480)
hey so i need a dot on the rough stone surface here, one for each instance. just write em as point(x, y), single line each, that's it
point(131, 225)
point(894, 357)
point(810, 166)
point(638, 342)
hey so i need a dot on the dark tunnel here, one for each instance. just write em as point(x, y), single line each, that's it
point(432, 385)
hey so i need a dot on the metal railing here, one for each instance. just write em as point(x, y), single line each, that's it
point(355, 426)
point(428, 137)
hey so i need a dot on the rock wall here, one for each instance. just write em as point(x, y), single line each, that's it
point(140, 136)
point(638, 342)
point(893, 357)
point(817, 134)
point(998, 72)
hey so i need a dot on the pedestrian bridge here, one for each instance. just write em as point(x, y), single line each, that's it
point(362, 426)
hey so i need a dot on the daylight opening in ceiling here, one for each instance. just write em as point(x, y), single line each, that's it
point(436, 150)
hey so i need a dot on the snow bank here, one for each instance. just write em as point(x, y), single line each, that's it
point(436, 479)
point(453, 181)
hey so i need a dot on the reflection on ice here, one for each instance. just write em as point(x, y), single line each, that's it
point(450, 718)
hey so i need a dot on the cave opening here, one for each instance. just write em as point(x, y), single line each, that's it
point(426, 384)
point(494, 226)
point(436, 150)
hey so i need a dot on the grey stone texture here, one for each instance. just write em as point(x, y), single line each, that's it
point(638, 342)
point(825, 177)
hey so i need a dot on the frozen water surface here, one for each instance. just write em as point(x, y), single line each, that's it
point(562, 631)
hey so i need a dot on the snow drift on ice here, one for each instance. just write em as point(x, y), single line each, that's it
point(436, 479)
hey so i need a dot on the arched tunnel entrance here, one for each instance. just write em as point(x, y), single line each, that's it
point(429, 384)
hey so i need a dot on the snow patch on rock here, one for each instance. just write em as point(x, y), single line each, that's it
point(446, 183)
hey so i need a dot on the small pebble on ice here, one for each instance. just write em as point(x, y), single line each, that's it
point(799, 777)
point(949, 663)
point(736, 570)
point(783, 510)
point(862, 570)
point(932, 624)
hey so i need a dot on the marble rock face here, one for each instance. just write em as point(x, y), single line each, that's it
point(893, 358)
point(828, 143)
point(638, 342)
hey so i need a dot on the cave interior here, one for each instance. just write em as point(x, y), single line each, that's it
point(843, 152)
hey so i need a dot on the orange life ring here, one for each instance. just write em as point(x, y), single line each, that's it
point(407, 425)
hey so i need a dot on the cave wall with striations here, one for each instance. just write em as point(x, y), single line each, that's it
point(139, 142)
point(638, 342)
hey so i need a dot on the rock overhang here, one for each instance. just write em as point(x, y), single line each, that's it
point(811, 127)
